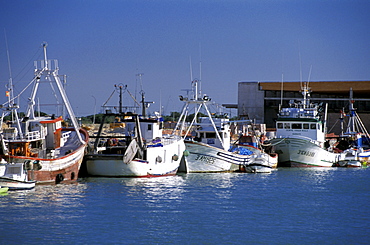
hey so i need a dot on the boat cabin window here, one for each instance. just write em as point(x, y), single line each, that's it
point(149, 127)
point(13, 170)
point(313, 125)
point(211, 135)
point(306, 126)
point(280, 125)
point(296, 126)
point(287, 125)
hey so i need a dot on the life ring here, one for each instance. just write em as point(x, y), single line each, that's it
point(175, 157)
point(59, 178)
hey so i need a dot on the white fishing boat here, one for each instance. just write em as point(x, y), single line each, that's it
point(135, 149)
point(15, 176)
point(54, 150)
point(264, 162)
point(208, 149)
point(300, 135)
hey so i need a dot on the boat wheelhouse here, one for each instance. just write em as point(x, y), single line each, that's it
point(300, 134)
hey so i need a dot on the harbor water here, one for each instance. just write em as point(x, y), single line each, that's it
point(288, 206)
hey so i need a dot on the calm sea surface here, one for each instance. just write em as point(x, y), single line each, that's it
point(288, 206)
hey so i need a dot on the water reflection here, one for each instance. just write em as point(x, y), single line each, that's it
point(220, 184)
point(156, 190)
point(53, 195)
point(211, 208)
point(316, 176)
point(161, 191)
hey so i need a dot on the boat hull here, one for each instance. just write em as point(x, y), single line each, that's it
point(16, 184)
point(161, 161)
point(364, 157)
point(264, 162)
point(113, 166)
point(257, 168)
point(55, 170)
point(295, 152)
point(203, 158)
point(63, 169)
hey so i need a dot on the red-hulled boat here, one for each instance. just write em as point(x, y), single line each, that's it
point(52, 151)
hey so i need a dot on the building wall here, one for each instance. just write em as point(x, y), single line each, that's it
point(251, 101)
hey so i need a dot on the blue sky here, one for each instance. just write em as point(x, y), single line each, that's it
point(102, 43)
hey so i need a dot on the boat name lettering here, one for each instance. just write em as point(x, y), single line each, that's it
point(206, 159)
point(306, 153)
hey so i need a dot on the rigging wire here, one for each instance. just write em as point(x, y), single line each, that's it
point(109, 97)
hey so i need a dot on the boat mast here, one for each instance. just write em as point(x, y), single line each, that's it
point(201, 102)
point(355, 125)
point(10, 94)
point(143, 111)
point(351, 123)
point(51, 74)
point(282, 91)
point(120, 98)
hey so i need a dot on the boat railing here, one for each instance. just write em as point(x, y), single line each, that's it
point(301, 137)
point(51, 64)
point(33, 135)
point(10, 133)
point(169, 139)
point(116, 109)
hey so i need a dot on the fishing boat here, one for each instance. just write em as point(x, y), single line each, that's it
point(53, 150)
point(265, 162)
point(135, 148)
point(300, 137)
point(207, 139)
point(15, 176)
point(300, 134)
point(354, 141)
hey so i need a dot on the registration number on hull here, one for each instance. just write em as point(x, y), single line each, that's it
point(209, 160)
point(306, 153)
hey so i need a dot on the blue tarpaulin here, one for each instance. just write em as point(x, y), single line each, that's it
point(241, 150)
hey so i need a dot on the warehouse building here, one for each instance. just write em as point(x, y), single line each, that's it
point(261, 100)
